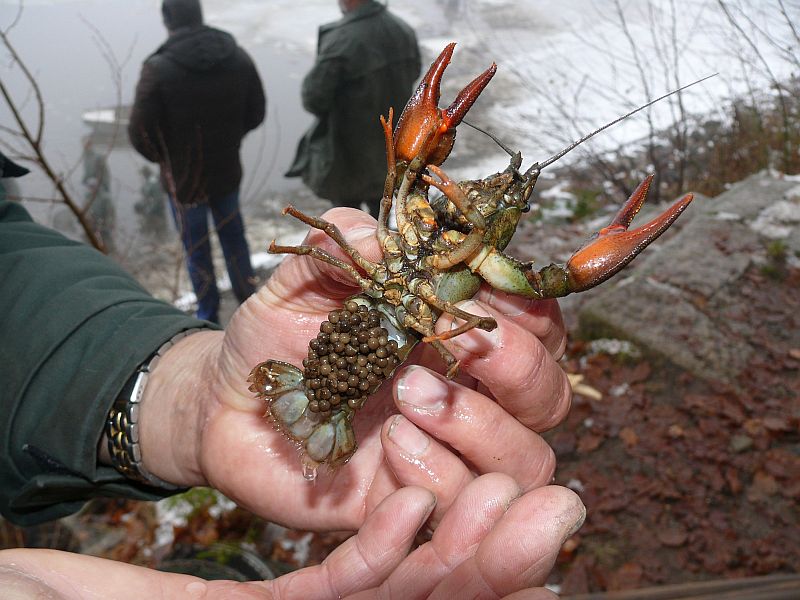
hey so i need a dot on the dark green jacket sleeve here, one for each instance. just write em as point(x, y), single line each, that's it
point(74, 327)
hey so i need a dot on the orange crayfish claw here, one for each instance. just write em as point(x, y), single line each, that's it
point(613, 247)
point(424, 129)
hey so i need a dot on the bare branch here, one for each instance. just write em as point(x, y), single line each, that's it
point(16, 18)
point(34, 141)
point(790, 23)
point(772, 78)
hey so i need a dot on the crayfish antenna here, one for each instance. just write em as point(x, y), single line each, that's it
point(588, 136)
point(492, 137)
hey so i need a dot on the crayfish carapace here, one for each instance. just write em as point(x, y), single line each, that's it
point(441, 251)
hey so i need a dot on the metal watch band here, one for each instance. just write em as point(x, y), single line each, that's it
point(122, 424)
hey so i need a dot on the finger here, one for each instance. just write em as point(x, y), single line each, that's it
point(542, 318)
point(417, 459)
point(472, 516)
point(514, 365)
point(366, 559)
point(55, 574)
point(519, 552)
point(478, 428)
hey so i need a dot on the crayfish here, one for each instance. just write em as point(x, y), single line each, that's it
point(440, 252)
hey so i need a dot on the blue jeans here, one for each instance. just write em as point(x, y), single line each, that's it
point(192, 224)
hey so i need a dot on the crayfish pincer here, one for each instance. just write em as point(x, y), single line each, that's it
point(441, 251)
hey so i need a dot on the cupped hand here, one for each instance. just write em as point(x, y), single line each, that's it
point(494, 541)
point(445, 434)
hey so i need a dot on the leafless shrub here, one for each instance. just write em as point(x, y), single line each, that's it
point(703, 147)
point(24, 140)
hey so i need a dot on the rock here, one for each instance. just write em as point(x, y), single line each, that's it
point(740, 443)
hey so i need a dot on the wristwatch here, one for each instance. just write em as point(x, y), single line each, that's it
point(122, 423)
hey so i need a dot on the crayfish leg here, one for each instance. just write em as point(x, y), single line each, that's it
point(391, 173)
point(458, 198)
point(332, 231)
point(473, 322)
point(402, 213)
point(451, 361)
point(321, 255)
point(426, 293)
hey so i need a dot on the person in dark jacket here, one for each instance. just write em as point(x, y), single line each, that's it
point(78, 330)
point(367, 62)
point(197, 97)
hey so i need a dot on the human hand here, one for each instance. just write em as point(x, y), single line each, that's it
point(213, 431)
point(494, 541)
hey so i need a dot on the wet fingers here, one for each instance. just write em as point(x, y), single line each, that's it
point(514, 365)
point(542, 318)
point(471, 517)
point(521, 548)
point(481, 431)
point(416, 458)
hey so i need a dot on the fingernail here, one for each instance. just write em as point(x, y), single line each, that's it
point(360, 233)
point(422, 390)
point(403, 433)
point(577, 525)
point(475, 341)
point(510, 305)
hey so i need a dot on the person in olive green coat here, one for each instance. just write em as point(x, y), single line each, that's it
point(367, 62)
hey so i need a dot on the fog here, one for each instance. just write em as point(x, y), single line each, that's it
point(87, 55)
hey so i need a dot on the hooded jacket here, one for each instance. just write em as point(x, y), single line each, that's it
point(366, 62)
point(197, 97)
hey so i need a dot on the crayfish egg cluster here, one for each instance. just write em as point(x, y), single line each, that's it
point(348, 360)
